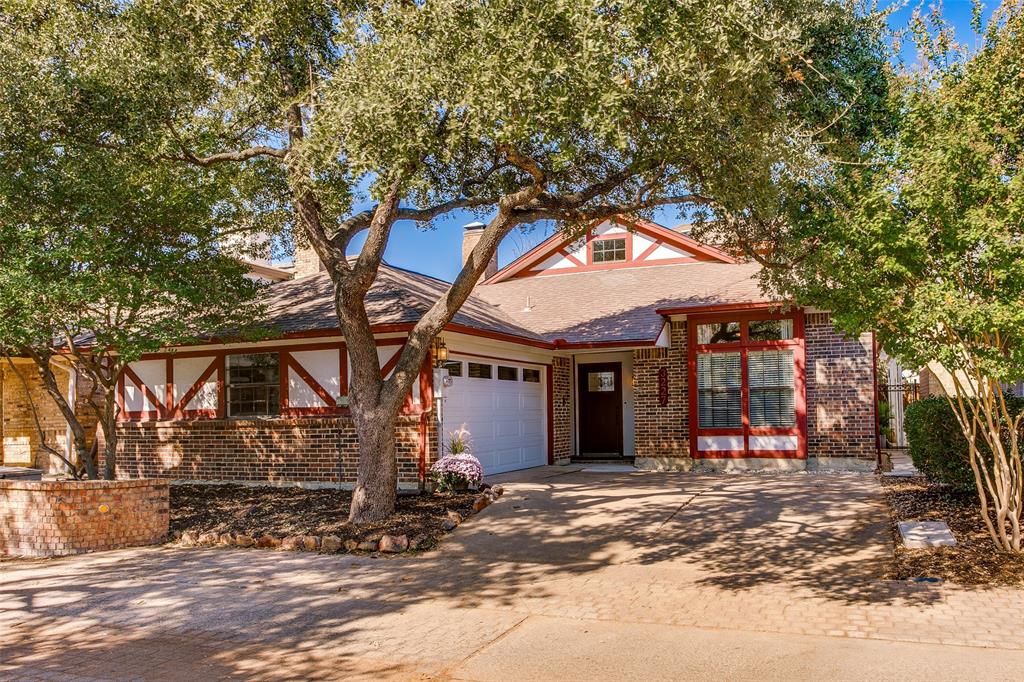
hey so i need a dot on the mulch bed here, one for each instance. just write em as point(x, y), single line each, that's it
point(974, 561)
point(284, 512)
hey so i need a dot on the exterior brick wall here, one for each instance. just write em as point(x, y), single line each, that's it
point(561, 386)
point(840, 392)
point(297, 450)
point(928, 383)
point(19, 438)
point(663, 431)
point(57, 518)
point(840, 400)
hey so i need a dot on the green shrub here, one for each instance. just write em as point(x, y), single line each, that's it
point(937, 445)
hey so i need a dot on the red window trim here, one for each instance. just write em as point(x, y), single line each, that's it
point(167, 411)
point(624, 236)
point(744, 346)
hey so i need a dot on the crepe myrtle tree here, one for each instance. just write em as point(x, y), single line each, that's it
point(104, 255)
point(94, 298)
point(923, 241)
point(363, 114)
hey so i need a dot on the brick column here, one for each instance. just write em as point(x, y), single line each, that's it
point(663, 431)
point(561, 384)
point(840, 398)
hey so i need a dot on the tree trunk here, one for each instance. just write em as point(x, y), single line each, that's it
point(377, 475)
point(41, 433)
point(108, 423)
point(982, 413)
point(49, 381)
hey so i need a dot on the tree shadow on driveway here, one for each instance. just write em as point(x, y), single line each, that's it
point(560, 541)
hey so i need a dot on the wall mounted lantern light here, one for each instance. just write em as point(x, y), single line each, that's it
point(440, 351)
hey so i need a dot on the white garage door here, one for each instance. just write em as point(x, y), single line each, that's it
point(502, 404)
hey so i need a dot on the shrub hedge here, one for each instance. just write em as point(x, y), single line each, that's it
point(937, 445)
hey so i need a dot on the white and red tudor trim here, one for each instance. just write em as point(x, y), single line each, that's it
point(544, 399)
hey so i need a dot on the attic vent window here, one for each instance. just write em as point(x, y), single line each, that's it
point(609, 250)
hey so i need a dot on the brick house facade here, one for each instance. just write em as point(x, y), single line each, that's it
point(597, 348)
point(662, 427)
point(296, 450)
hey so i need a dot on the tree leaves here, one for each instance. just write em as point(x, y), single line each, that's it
point(924, 240)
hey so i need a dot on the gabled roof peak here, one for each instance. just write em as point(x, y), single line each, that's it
point(639, 243)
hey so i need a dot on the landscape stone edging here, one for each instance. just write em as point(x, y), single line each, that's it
point(330, 544)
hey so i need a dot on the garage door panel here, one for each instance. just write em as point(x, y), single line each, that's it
point(532, 401)
point(507, 401)
point(505, 420)
point(506, 429)
point(509, 457)
point(532, 430)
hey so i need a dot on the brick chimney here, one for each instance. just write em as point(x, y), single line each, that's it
point(306, 262)
point(471, 234)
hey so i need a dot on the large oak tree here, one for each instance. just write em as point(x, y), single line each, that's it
point(517, 110)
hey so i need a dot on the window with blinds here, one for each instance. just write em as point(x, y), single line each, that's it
point(770, 379)
point(719, 390)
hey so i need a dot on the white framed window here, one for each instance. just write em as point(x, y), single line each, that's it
point(608, 250)
point(454, 368)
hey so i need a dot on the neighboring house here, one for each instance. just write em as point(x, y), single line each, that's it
point(635, 343)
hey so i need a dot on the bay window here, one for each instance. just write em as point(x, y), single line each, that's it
point(747, 385)
point(770, 376)
point(719, 384)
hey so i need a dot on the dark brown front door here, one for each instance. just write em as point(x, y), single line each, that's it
point(600, 392)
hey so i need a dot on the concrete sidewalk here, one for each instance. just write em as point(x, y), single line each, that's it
point(571, 575)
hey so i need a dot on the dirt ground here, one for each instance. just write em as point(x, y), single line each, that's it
point(283, 512)
point(974, 561)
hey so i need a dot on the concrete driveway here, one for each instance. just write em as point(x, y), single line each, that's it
point(571, 575)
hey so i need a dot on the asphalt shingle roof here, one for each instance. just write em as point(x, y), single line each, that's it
point(586, 307)
point(397, 296)
point(618, 305)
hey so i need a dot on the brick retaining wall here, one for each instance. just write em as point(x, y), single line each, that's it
point(57, 518)
point(285, 450)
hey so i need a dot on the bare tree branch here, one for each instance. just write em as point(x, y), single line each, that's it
point(223, 157)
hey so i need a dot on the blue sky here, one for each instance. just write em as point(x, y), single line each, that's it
point(437, 252)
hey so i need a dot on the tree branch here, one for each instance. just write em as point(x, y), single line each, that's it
point(189, 156)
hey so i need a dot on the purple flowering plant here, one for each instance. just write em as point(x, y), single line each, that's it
point(458, 469)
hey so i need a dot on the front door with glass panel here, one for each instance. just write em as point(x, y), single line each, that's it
point(600, 394)
point(747, 385)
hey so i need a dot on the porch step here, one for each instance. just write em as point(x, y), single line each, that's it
point(603, 460)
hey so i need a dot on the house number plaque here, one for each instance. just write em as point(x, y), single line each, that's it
point(663, 387)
